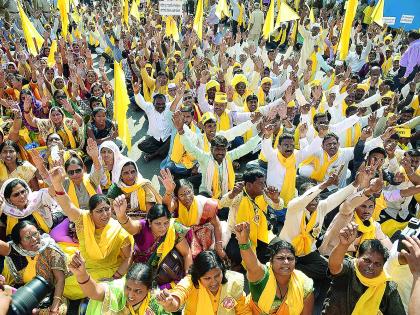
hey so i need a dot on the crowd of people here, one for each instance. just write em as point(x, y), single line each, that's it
point(289, 158)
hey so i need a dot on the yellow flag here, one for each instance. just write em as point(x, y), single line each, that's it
point(198, 20)
point(343, 46)
point(121, 102)
point(378, 13)
point(222, 9)
point(135, 11)
point(268, 27)
point(171, 28)
point(29, 32)
point(125, 12)
point(312, 15)
point(286, 13)
point(53, 49)
point(63, 6)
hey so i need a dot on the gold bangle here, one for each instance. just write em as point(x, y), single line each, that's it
point(128, 218)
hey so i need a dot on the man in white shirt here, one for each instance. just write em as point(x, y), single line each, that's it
point(356, 59)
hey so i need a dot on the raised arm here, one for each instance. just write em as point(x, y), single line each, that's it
point(120, 208)
point(346, 236)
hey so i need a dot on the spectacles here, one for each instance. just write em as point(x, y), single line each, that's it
point(74, 172)
point(30, 236)
point(19, 193)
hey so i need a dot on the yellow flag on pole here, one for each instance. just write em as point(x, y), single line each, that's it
point(268, 27)
point(312, 15)
point(135, 11)
point(222, 9)
point(171, 28)
point(63, 6)
point(343, 45)
point(29, 32)
point(285, 14)
point(198, 20)
point(53, 49)
point(121, 102)
point(125, 12)
point(378, 13)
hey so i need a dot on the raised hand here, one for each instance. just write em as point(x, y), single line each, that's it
point(57, 176)
point(237, 189)
point(178, 121)
point(167, 180)
point(388, 133)
point(303, 130)
point(77, 265)
point(273, 193)
point(412, 254)
point(255, 117)
point(120, 207)
point(348, 234)
point(367, 132)
point(165, 299)
point(92, 149)
point(333, 178)
point(323, 130)
point(241, 231)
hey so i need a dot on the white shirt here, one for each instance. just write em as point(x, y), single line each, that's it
point(354, 61)
point(159, 123)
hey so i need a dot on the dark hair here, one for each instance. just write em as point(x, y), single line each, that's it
point(97, 199)
point(374, 246)
point(93, 99)
point(414, 35)
point(329, 136)
point(158, 211)
point(350, 109)
point(277, 245)
point(252, 174)
point(407, 110)
point(162, 73)
point(285, 136)
point(251, 97)
point(25, 92)
point(319, 115)
point(75, 159)
point(142, 273)
point(58, 91)
point(182, 182)
point(219, 141)
point(15, 234)
point(304, 187)
point(98, 109)
point(377, 150)
point(53, 133)
point(395, 136)
point(187, 109)
point(14, 145)
point(157, 96)
point(12, 184)
point(203, 263)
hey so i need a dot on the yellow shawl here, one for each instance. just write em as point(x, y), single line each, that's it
point(369, 232)
point(188, 217)
point(293, 304)
point(72, 190)
point(353, 137)
point(141, 194)
point(215, 181)
point(320, 170)
point(223, 122)
point(289, 184)
point(370, 301)
point(11, 222)
point(168, 244)
point(303, 242)
point(143, 307)
point(314, 65)
point(179, 155)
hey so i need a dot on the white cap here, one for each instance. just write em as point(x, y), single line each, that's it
point(171, 86)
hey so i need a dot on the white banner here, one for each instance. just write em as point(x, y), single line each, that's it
point(407, 19)
point(389, 20)
point(170, 7)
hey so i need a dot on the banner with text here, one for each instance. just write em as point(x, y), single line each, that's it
point(170, 7)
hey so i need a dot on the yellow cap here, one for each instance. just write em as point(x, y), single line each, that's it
point(291, 104)
point(266, 80)
point(212, 84)
point(237, 65)
point(363, 87)
point(388, 37)
point(220, 97)
point(148, 65)
point(239, 78)
point(388, 94)
point(397, 57)
point(177, 53)
point(207, 117)
point(315, 83)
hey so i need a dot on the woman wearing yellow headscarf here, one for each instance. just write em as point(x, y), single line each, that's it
point(104, 244)
point(276, 288)
point(360, 286)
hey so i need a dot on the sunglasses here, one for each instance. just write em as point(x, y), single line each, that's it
point(74, 172)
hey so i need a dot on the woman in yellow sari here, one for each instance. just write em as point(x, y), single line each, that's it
point(277, 288)
point(104, 244)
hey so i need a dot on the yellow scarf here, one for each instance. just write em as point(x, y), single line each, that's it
point(93, 41)
point(72, 190)
point(332, 81)
point(370, 301)
point(320, 170)
point(168, 244)
point(241, 20)
point(369, 232)
point(276, 143)
point(314, 65)
point(4, 174)
point(415, 104)
point(206, 147)
point(215, 182)
point(380, 204)
point(353, 135)
point(11, 222)
point(289, 184)
point(281, 37)
point(99, 250)
point(188, 217)
point(68, 133)
point(204, 300)
point(30, 270)
point(141, 194)
point(320, 109)
point(261, 97)
point(223, 122)
point(24, 133)
point(143, 307)
point(387, 65)
point(248, 134)
point(179, 155)
point(303, 242)
point(293, 304)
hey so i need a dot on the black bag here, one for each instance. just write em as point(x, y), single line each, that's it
point(171, 268)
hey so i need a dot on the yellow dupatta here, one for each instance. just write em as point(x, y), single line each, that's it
point(353, 135)
point(215, 182)
point(204, 300)
point(72, 190)
point(289, 184)
point(261, 97)
point(293, 303)
point(169, 242)
point(4, 174)
point(11, 222)
point(143, 307)
point(248, 134)
point(303, 242)
point(206, 145)
point(276, 143)
point(415, 104)
point(188, 217)
point(380, 204)
point(223, 122)
point(369, 232)
point(371, 299)
point(314, 65)
point(141, 194)
point(320, 170)
point(179, 155)
point(241, 20)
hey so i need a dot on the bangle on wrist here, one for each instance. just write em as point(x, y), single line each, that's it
point(125, 222)
point(57, 298)
point(245, 246)
point(84, 282)
point(59, 193)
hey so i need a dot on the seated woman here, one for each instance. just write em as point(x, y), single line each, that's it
point(199, 213)
point(131, 295)
point(31, 253)
point(79, 185)
point(110, 156)
point(155, 237)
point(139, 192)
point(360, 285)
point(101, 128)
point(11, 166)
point(277, 288)
point(209, 289)
point(104, 244)
point(20, 203)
